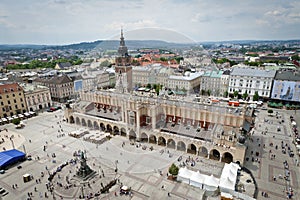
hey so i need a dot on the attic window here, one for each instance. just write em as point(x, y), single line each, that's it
point(11, 89)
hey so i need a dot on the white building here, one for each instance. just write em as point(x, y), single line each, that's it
point(251, 80)
point(190, 82)
point(216, 82)
point(151, 74)
point(37, 97)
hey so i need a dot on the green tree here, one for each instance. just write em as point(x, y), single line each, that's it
point(255, 96)
point(270, 111)
point(163, 59)
point(173, 170)
point(236, 93)
point(225, 94)
point(184, 90)
point(178, 59)
point(295, 57)
point(245, 95)
point(208, 92)
point(16, 121)
point(148, 86)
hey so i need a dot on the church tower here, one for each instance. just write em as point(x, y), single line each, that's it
point(123, 68)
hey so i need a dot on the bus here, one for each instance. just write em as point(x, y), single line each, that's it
point(233, 103)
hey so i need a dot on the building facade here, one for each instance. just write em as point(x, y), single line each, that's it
point(216, 82)
point(37, 97)
point(286, 86)
point(200, 129)
point(61, 87)
point(250, 81)
point(12, 100)
point(189, 83)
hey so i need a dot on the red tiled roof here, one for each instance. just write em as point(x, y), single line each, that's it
point(8, 88)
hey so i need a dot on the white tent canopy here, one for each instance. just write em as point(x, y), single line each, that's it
point(211, 183)
point(197, 179)
point(184, 175)
point(229, 177)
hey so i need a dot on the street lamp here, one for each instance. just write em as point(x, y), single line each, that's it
point(12, 142)
point(116, 162)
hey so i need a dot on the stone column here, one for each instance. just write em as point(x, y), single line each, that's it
point(137, 116)
point(153, 116)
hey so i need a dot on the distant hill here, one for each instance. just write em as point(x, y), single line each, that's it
point(102, 44)
point(135, 44)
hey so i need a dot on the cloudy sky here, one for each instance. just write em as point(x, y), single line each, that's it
point(72, 21)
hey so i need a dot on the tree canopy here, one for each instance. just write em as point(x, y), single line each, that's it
point(173, 170)
point(34, 64)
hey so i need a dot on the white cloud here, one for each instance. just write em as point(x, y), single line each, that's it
point(66, 21)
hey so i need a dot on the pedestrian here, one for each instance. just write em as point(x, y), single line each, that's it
point(169, 194)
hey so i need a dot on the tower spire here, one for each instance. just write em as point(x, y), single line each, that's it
point(123, 51)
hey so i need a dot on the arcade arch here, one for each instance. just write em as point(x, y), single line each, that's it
point(161, 141)
point(171, 144)
point(89, 122)
point(152, 139)
point(116, 130)
point(203, 152)
point(227, 157)
point(181, 146)
point(96, 126)
point(144, 137)
point(123, 132)
point(83, 123)
point(108, 128)
point(71, 120)
point(214, 154)
point(192, 149)
point(102, 127)
point(132, 135)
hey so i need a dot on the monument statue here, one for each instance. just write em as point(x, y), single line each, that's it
point(84, 171)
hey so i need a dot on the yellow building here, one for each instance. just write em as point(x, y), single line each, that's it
point(12, 100)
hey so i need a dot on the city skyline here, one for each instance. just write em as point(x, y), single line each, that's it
point(56, 22)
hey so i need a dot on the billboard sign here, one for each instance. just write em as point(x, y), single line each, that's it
point(286, 90)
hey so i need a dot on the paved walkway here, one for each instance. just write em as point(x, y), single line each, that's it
point(145, 171)
point(266, 148)
point(137, 168)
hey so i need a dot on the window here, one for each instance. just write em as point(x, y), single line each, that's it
point(148, 121)
point(8, 101)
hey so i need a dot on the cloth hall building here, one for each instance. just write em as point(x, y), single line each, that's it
point(209, 131)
